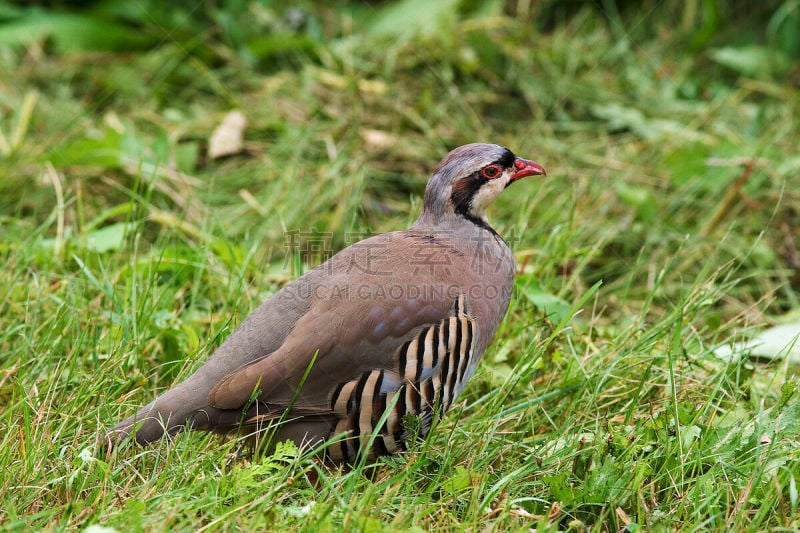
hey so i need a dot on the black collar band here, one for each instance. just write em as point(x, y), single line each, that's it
point(480, 223)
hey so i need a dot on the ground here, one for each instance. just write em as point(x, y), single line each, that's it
point(667, 227)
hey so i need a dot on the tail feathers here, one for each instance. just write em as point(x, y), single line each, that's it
point(184, 406)
point(148, 425)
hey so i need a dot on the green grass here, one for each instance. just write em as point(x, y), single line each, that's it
point(128, 255)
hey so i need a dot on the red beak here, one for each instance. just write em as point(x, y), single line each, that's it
point(526, 168)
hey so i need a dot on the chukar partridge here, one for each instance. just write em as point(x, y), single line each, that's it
point(391, 326)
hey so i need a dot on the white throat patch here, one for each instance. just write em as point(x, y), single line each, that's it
point(487, 194)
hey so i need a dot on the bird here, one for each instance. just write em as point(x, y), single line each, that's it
point(390, 327)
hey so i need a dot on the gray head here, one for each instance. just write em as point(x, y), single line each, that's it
point(470, 177)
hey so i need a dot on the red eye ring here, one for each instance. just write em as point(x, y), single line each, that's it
point(491, 172)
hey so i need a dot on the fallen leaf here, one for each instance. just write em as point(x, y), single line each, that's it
point(778, 342)
point(377, 139)
point(228, 137)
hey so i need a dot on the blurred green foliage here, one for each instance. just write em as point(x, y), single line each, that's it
point(667, 226)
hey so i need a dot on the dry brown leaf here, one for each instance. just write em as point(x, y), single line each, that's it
point(377, 139)
point(228, 137)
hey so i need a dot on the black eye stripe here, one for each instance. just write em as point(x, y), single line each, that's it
point(506, 160)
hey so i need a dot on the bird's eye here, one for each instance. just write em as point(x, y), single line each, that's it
point(491, 172)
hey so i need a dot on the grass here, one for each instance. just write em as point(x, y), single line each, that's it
point(667, 226)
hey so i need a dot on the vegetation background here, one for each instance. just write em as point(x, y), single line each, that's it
point(138, 229)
